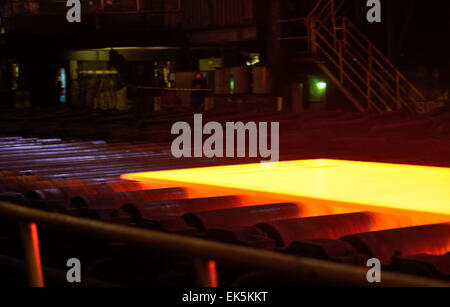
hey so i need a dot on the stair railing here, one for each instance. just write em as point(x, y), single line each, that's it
point(359, 64)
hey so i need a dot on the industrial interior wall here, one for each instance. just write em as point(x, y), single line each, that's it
point(198, 14)
point(184, 80)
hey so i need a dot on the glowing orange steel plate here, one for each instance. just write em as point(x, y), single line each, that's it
point(361, 185)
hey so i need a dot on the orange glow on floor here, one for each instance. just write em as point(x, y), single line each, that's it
point(381, 187)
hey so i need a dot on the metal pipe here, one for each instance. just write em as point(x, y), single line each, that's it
point(206, 273)
point(10, 266)
point(301, 268)
point(32, 253)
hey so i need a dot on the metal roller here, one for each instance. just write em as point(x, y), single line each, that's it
point(243, 216)
point(117, 200)
point(285, 232)
point(178, 207)
point(429, 239)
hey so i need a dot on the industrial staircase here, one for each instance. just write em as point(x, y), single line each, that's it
point(351, 61)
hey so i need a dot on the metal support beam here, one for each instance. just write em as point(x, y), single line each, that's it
point(30, 240)
point(206, 273)
point(303, 269)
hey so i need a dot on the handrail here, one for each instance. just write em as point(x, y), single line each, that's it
point(384, 88)
point(369, 43)
point(360, 77)
point(313, 11)
point(329, 3)
point(345, 73)
point(374, 48)
point(292, 20)
point(392, 75)
point(386, 105)
point(347, 64)
point(296, 267)
point(382, 79)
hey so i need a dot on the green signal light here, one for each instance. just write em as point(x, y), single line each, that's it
point(321, 85)
point(232, 85)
